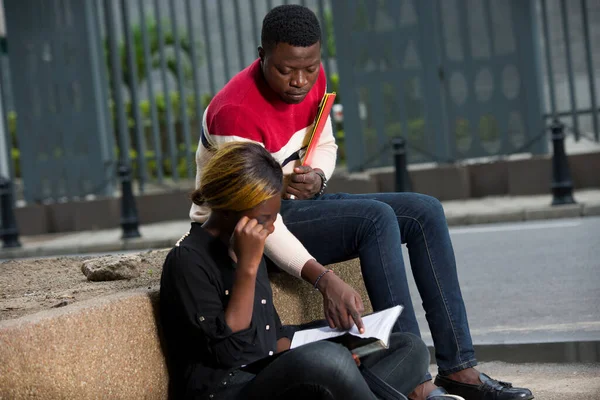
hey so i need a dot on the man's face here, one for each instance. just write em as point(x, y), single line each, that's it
point(291, 71)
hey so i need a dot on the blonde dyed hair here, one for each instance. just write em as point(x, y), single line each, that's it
point(238, 177)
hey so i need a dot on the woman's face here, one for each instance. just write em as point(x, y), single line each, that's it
point(266, 212)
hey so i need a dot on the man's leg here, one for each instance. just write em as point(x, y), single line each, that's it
point(373, 226)
point(422, 226)
point(339, 230)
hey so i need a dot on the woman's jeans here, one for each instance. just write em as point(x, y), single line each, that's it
point(338, 227)
point(326, 370)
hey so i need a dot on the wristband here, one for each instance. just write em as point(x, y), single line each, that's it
point(323, 183)
point(320, 276)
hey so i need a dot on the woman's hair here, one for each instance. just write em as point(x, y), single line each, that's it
point(238, 177)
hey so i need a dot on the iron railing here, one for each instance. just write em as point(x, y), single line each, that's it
point(164, 60)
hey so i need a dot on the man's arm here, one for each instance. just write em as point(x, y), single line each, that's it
point(342, 304)
point(203, 155)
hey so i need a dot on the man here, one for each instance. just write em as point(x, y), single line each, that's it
point(273, 102)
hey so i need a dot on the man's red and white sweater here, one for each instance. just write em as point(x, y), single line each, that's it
point(247, 109)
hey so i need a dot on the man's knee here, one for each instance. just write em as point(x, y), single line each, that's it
point(431, 205)
point(378, 211)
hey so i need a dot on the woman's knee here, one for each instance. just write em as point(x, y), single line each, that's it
point(325, 357)
point(417, 353)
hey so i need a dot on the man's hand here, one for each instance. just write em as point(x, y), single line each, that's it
point(341, 303)
point(304, 183)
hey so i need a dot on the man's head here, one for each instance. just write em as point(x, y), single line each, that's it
point(290, 51)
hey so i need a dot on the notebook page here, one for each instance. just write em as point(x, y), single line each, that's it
point(377, 325)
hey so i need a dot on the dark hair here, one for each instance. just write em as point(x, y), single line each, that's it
point(238, 177)
point(292, 24)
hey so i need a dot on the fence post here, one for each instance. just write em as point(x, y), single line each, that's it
point(9, 231)
point(562, 185)
point(402, 182)
point(129, 216)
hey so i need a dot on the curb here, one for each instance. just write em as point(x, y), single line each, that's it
point(528, 214)
point(543, 353)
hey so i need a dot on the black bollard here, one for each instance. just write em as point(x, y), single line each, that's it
point(129, 217)
point(562, 185)
point(401, 172)
point(9, 231)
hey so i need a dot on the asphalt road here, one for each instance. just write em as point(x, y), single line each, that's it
point(527, 282)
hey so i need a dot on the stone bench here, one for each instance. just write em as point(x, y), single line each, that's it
point(109, 347)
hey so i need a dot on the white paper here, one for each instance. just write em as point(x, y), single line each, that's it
point(377, 325)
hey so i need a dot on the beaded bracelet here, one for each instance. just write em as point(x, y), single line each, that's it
point(320, 276)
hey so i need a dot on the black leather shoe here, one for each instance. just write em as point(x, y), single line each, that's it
point(489, 389)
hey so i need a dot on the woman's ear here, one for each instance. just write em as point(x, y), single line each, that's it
point(261, 53)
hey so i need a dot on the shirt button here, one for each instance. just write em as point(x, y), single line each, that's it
point(263, 301)
point(270, 353)
point(227, 293)
point(268, 327)
point(201, 318)
point(211, 395)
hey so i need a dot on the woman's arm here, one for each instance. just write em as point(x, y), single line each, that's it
point(248, 244)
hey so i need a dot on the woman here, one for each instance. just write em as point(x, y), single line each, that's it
point(217, 309)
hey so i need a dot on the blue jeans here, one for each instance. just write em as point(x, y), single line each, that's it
point(338, 227)
point(326, 370)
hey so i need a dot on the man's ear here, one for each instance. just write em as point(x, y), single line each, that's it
point(261, 53)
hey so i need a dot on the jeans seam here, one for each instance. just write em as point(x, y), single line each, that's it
point(412, 345)
point(437, 284)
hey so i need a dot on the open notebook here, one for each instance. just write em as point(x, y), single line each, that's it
point(378, 327)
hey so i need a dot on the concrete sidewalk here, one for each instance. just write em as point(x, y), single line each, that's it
point(165, 234)
point(576, 381)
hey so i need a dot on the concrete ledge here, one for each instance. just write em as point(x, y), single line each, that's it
point(110, 347)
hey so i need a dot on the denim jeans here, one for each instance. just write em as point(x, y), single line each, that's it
point(326, 370)
point(338, 227)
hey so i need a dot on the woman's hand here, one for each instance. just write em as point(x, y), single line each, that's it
point(248, 243)
point(283, 344)
point(304, 183)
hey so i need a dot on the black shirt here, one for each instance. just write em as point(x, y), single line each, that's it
point(196, 284)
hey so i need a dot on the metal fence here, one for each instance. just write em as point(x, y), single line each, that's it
point(568, 30)
point(95, 83)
